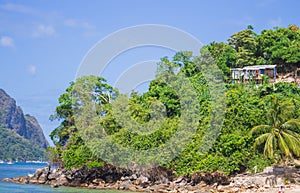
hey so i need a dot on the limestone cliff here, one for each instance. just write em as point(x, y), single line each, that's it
point(12, 117)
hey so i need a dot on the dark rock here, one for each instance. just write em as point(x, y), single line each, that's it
point(37, 174)
point(182, 183)
point(33, 181)
point(141, 180)
point(98, 181)
point(42, 180)
point(7, 180)
point(54, 186)
point(24, 180)
point(52, 176)
point(158, 174)
point(40, 176)
point(178, 180)
point(133, 177)
point(209, 178)
point(125, 178)
point(109, 173)
point(98, 178)
point(125, 185)
point(35, 132)
point(62, 180)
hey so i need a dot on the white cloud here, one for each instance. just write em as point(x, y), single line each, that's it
point(32, 69)
point(16, 8)
point(77, 23)
point(6, 41)
point(43, 30)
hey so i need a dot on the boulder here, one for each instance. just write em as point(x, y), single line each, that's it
point(141, 180)
point(125, 185)
point(62, 180)
point(37, 174)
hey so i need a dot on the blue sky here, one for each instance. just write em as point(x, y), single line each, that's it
point(42, 43)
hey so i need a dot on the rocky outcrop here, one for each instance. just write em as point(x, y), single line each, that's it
point(267, 181)
point(12, 117)
point(156, 179)
point(34, 132)
point(291, 76)
point(160, 180)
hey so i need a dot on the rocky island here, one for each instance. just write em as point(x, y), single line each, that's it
point(244, 139)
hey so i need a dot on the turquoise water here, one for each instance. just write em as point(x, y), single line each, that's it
point(22, 169)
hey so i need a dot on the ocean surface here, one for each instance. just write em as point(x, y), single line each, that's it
point(23, 169)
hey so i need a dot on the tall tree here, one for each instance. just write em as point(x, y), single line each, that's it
point(281, 47)
point(280, 133)
point(66, 136)
point(245, 45)
point(225, 56)
point(96, 87)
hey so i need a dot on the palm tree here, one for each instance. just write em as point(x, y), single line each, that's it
point(280, 133)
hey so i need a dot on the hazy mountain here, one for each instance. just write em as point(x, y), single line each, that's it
point(13, 118)
point(15, 147)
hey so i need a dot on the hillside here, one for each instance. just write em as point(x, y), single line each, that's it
point(21, 136)
point(236, 128)
point(12, 117)
point(15, 147)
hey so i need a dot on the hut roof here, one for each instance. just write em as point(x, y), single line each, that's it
point(258, 67)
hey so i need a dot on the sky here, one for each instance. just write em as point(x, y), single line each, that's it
point(43, 43)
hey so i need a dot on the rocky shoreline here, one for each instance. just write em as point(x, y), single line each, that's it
point(162, 180)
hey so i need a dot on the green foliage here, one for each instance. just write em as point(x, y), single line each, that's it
point(245, 45)
point(244, 109)
point(77, 154)
point(74, 156)
point(54, 155)
point(234, 150)
point(259, 162)
point(93, 164)
point(279, 46)
point(70, 150)
point(15, 147)
point(148, 121)
point(280, 133)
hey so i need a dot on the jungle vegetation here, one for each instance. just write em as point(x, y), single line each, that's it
point(17, 148)
point(258, 125)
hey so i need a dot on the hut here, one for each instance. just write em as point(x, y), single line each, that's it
point(256, 72)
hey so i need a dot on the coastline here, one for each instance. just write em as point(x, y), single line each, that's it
point(160, 180)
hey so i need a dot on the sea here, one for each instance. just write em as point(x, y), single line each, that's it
point(22, 169)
